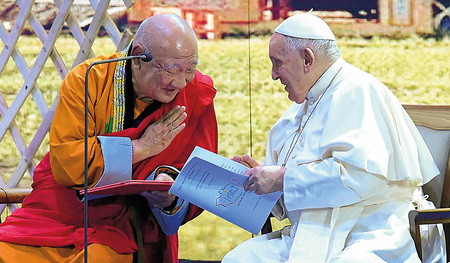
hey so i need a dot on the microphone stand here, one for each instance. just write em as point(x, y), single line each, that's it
point(146, 57)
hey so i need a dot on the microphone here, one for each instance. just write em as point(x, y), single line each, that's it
point(146, 57)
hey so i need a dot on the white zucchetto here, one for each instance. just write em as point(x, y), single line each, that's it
point(305, 25)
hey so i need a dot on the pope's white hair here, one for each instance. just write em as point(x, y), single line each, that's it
point(323, 49)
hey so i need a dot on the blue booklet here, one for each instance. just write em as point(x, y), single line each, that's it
point(216, 184)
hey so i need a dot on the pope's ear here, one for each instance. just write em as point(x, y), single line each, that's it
point(309, 58)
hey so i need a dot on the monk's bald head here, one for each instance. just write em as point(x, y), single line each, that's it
point(164, 33)
point(174, 48)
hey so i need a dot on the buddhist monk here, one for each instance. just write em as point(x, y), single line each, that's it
point(142, 115)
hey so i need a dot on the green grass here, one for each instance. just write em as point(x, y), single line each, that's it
point(416, 70)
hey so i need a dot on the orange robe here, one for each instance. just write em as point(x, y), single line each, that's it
point(52, 215)
point(13, 253)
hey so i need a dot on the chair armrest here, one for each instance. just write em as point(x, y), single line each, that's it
point(13, 195)
point(431, 216)
point(423, 217)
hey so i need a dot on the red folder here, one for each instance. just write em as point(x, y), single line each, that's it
point(130, 187)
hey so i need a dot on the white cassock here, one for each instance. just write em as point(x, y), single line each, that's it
point(351, 178)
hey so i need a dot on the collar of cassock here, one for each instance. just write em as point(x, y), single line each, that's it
point(324, 81)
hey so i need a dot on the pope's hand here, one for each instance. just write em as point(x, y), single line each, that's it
point(159, 199)
point(158, 136)
point(265, 179)
point(246, 160)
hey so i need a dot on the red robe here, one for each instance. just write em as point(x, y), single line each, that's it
point(53, 216)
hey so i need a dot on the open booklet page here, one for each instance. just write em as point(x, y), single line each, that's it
point(215, 183)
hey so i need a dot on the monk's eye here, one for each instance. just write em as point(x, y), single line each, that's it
point(173, 71)
point(190, 71)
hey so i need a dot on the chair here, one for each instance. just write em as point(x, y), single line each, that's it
point(13, 195)
point(433, 123)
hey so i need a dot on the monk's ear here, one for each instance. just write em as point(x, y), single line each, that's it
point(135, 51)
point(309, 59)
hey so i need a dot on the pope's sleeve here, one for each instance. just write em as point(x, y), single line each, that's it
point(328, 183)
point(354, 149)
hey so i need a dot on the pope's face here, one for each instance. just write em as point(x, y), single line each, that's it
point(166, 75)
point(288, 67)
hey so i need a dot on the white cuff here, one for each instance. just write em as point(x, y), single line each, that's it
point(117, 157)
point(171, 221)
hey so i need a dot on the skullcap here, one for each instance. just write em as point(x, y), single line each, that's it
point(305, 25)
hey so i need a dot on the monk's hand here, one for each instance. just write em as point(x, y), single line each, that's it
point(265, 179)
point(158, 136)
point(246, 160)
point(159, 199)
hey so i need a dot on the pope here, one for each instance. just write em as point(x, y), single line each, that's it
point(346, 156)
